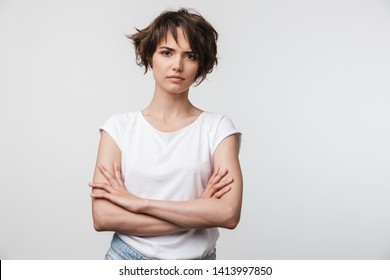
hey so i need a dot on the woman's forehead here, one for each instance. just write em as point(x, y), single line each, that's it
point(180, 40)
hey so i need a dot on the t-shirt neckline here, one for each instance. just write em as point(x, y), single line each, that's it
point(142, 117)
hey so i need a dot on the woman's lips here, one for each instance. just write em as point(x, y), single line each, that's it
point(175, 79)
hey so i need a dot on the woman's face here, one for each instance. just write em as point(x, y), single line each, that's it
point(174, 64)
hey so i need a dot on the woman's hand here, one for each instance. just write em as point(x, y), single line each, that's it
point(115, 191)
point(218, 185)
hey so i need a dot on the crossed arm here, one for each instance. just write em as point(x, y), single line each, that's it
point(115, 209)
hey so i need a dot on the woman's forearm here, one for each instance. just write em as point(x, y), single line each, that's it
point(204, 212)
point(219, 206)
point(110, 217)
point(199, 213)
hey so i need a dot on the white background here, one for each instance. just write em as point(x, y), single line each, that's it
point(307, 82)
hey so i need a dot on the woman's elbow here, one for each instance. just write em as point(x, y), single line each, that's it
point(97, 224)
point(102, 214)
point(232, 218)
point(99, 221)
point(232, 224)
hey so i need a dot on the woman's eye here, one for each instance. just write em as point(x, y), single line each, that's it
point(166, 53)
point(191, 56)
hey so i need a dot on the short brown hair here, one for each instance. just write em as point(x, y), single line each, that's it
point(201, 36)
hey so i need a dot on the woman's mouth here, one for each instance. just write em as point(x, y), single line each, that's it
point(175, 78)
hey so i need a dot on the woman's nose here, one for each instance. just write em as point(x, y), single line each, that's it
point(177, 64)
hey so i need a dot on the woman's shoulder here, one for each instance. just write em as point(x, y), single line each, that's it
point(123, 116)
point(215, 120)
point(121, 120)
point(220, 126)
point(215, 117)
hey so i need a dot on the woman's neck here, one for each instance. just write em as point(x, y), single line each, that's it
point(170, 105)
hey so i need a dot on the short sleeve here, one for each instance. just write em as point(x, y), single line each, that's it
point(113, 128)
point(224, 129)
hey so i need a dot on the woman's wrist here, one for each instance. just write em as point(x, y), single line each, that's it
point(143, 206)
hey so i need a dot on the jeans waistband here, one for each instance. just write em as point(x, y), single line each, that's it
point(120, 250)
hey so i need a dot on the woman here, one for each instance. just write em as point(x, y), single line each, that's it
point(167, 176)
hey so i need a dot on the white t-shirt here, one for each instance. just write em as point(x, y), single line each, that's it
point(169, 166)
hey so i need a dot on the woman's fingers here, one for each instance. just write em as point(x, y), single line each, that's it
point(100, 195)
point(120, 197)
point(222, 184)
point(105, 195)
point(216, 189)
point(102, 186)
point(219, 176)
point(110, 178)
point(117, 171)
point(118, 175)
point(105, 173)
point(115, 186)
point(222, 192)
point(216, 171)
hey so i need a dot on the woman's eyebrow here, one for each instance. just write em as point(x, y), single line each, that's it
point(168, 48)
point(172, 49)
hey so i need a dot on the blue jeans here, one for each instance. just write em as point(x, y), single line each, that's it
point(120, 250)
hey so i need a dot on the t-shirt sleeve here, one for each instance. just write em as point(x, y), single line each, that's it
point(112, 127)
point(224, 129)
